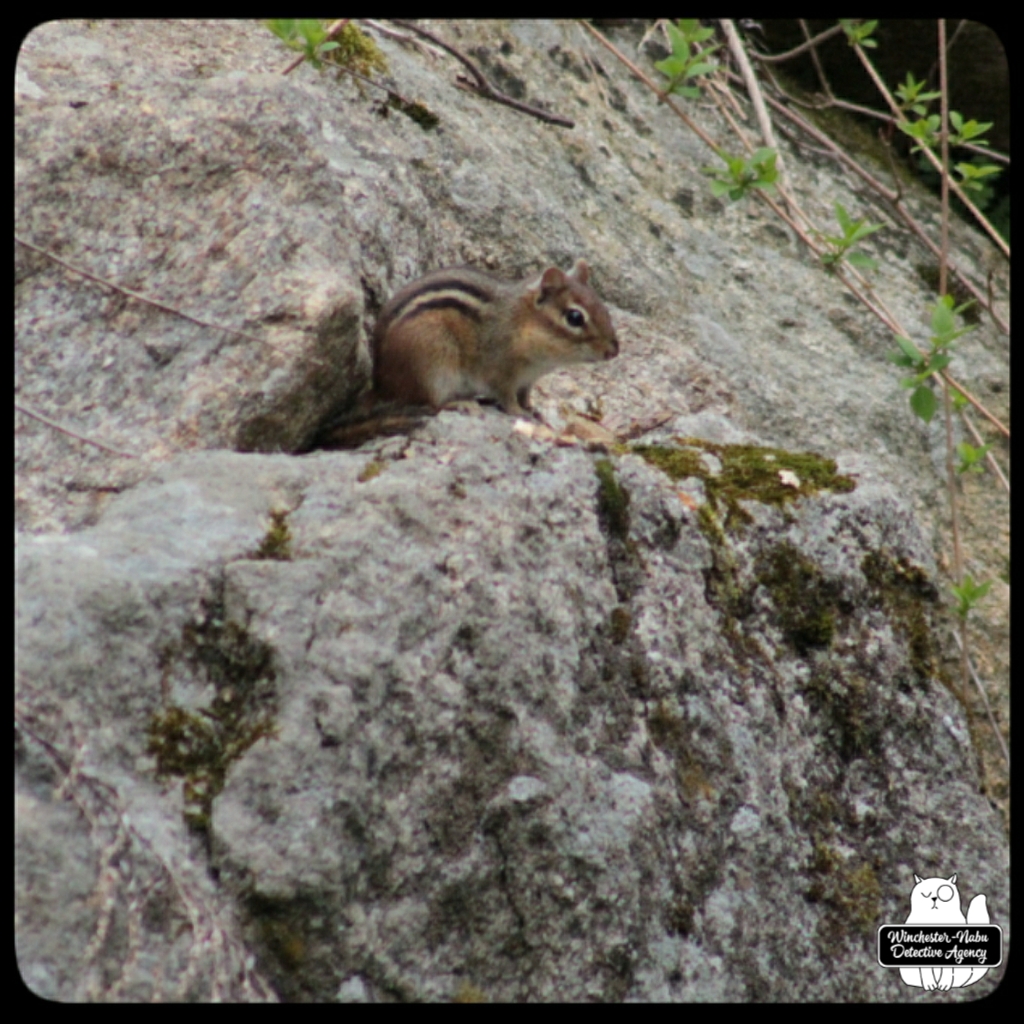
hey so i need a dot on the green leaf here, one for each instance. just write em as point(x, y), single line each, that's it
point(972, 129)
point(700, 69)
point(736, 165)
point(923, 402)
point(977, 171)
point(971, 457)
point(924, 131)
point(858, 32)
point(283, 28)
point(943, 321)
point(912, 97)
point(864, 229)
point(859, 259)
point(968, 594)
point(311, 29)
point(909, 349)
point(680, 45)
point(844, 218)
point(671, 67)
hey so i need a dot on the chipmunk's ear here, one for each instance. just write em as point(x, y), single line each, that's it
point(580, 271)
point(550, 281)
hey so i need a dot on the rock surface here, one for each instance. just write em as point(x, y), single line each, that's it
point(470, 714)
point(522, 738)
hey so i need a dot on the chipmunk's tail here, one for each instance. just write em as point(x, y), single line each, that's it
point(351, 429)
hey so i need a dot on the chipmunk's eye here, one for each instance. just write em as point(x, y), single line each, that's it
point(575, 318)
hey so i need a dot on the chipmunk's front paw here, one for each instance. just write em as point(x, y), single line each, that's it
point(467, 406)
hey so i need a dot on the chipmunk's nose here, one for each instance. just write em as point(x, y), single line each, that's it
point(613, 348)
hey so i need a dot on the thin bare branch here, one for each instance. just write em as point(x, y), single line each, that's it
point(137, 295)
point(739, 54)
point(71, 433)
point(330, 34)
point(984, 701)
point(979, 441)
point(891, 196)
point(810, 44)
point(930, 156)
point(662, 96)
point(480, 85)
point(886, 317)
point(944, 150)
point(400, 37)
point(818, 67)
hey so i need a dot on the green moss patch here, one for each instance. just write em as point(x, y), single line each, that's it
point(772, 476)
point(198, 745)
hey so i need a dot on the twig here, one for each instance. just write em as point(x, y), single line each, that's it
point(138, 296)
point(988, 455)
point(994, 420)
point(739, 54)
point(888, 320)
point(662, 97)
point(944, 150)
point(71, 433)
point(930, 156)
point(592, 64)
point(887, 194)
point(480, 85)
point(984, 700)
point(878, 115)
point(401, 37)
point(330, 34)
point(392, 94)
point(947, 405)
point(816, 60)
point(810, 44)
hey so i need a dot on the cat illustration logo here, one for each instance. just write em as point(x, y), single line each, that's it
point(936, 901)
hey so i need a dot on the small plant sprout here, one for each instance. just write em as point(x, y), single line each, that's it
point(926, 131)
point(757, 171)
point(922, 401)
point(683, 65)
point(967, 131)
point(971, 175)
point(968, 594)
point(854, 231)
point(859, 32)
point(913, 100)
point(307, 35)
point(970, 457)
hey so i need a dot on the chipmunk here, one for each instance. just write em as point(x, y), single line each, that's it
point(461, 333)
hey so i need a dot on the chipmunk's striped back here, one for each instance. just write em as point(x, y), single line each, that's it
point(461, 333)
point(465, 290)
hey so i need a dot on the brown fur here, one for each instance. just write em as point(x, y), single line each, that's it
point(460, 333)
